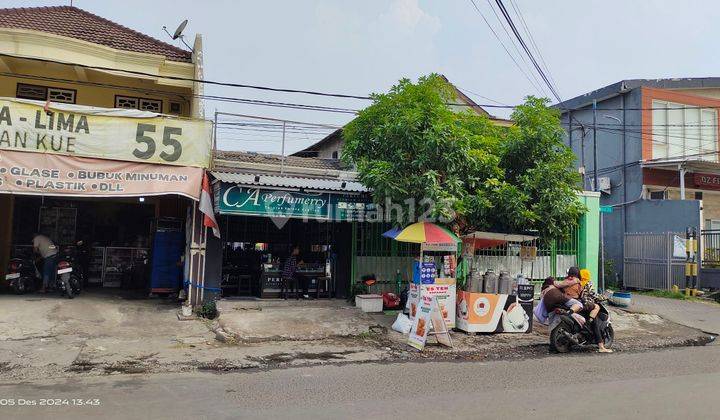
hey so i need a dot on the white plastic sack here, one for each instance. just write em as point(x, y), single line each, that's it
point(402, 324)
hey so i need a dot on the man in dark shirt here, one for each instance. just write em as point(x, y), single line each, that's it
point(290, 276)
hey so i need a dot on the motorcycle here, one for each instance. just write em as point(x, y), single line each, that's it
point(568, 330)
point(20, 277)
point(24, 276)
point(68, 281)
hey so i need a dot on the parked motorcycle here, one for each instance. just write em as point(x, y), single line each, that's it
point(20, 277)
point(23, 276)
point(68, 281)
point(567, 331)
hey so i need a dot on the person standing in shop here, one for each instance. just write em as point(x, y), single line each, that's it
point(291, 277)
point(46, 249)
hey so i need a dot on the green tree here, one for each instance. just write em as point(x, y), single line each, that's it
point(458, 166)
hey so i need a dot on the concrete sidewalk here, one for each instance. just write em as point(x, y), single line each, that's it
point(698, 315)
point(278, 320)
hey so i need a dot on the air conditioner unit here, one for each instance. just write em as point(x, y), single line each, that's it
point(604, 183)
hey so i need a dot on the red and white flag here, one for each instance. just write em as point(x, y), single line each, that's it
point(206, 206)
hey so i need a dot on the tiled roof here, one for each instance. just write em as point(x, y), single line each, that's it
point(77, 23)
point(291, 161)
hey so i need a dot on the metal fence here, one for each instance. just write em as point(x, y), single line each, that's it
point(384, 257)
point(649, 261)
point(710, 243)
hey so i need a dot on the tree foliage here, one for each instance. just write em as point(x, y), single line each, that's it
point(411, 145)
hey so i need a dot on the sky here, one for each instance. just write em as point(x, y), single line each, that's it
point(359, 47)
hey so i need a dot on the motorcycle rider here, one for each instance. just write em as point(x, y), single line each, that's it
point(573, 291)
point(46, 249)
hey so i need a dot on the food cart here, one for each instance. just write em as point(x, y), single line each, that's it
point(432, 290)
point(497, 301)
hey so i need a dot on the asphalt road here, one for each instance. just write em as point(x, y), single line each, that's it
point(677, 383)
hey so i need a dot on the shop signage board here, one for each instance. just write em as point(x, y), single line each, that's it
point(236, 199)
point(119, 134)
point(707, 181)
point(56, 175)
point(250, 200)
point(351, 208)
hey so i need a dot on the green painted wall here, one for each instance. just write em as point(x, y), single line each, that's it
point(589, 246)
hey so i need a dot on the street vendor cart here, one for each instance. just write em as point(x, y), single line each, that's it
point(494, 298)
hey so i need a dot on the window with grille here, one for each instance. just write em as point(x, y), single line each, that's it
point(66, 96)
point(126, 102)
point(680, 130)
point(143, 104)
point(153, 105)
point(43, 93)
point(658, 195)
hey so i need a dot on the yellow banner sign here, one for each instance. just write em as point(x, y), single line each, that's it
point(116, 134)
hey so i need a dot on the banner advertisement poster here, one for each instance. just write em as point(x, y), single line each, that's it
point(56, 175)
point(421, 323)
point(118, 134)
point(424, 272)
point(444, 289)
point(440, 329)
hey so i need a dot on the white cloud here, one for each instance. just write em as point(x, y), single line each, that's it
point(407, 15)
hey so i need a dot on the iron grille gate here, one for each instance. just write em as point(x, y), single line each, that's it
point(649, 261)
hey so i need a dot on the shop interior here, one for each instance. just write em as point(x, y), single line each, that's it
point(255, 250)
point(132, 244)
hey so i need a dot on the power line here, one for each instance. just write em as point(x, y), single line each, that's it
point(464, 90)
point(216, 83)
point(498, 104)
point(504, 47)
point(190, 79)
point(184, 96)
point(532, 39)
point(520, 39)
point(514, 45)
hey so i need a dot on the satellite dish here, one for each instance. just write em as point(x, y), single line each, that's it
point(180, 29)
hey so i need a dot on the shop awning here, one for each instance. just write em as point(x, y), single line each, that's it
point(480, 240)
point(26, 173)
point(320, 184)
point(687, 164)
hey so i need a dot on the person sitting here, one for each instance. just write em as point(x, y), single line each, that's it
point(553, 298)
point(573, 290)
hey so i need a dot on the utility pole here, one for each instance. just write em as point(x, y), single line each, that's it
point(595, 163)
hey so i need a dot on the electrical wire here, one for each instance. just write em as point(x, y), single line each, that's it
point(217, 83)
point(505, 48)
point(466, 91)
point(220, 98)
point(532, 39)
point(184, 96)
point(520, 39)
point(522, 57)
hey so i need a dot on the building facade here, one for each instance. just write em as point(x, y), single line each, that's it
point(657, 159)
point(109, 118)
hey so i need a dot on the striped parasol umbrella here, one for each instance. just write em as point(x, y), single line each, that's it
point(423, 233)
